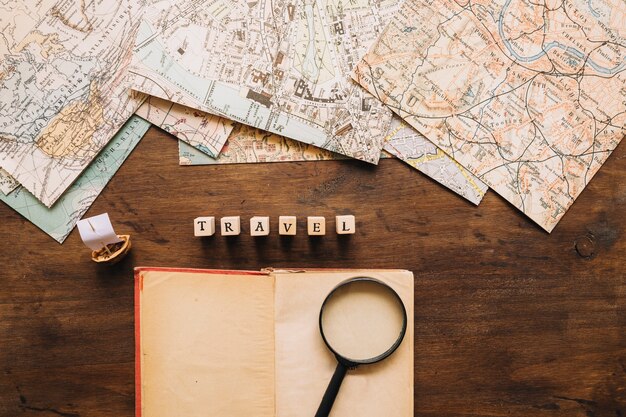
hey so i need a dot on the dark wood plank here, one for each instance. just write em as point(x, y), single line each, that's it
point(510, 320)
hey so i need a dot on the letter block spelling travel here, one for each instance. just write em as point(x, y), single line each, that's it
point(287, 225)
point(231, 226)
point(316, 225)
point(259, 226)
point(204, 226)
point(345, 225)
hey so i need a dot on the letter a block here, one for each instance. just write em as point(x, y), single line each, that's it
point(204, 226)
point(346, 225)
point(316, 225)
point(231, 226)
point(287, 225)
point(259, 226)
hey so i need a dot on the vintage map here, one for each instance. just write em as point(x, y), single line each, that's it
point(203, 131)
point(59, 220)
point(413, 148)
point(250, 145)
point(280, 66)
point(7, 182)
point(62, 64)
point(529, 96)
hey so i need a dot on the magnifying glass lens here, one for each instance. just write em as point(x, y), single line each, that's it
point(362, 320)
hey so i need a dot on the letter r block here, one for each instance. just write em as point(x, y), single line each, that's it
point(316, 225)
point(287, 225)
point(345, 225)
point(259, 226)
point(231, 226)
point(204, 226)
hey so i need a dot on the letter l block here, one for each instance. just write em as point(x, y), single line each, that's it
point(345, 225)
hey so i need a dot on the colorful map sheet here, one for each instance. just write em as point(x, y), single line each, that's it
point(203, 131)
point(528, 96)
point(7, 182)
point(250, 145)
point(280, 66)
point(62, 64)
point(413, 148)
point(59, 220)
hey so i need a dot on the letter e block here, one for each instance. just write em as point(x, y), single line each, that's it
point(231, 226)
point(259, 226)
point(204, 226)
point(316, 225)
point(287, 225)
point(346, 225)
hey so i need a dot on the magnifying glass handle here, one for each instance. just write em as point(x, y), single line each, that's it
point(331, 392)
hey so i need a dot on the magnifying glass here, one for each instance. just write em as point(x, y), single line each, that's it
point(362, 321)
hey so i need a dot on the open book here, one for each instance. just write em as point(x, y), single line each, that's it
point(247, 344)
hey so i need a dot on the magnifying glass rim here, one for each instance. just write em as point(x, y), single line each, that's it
point(385, 354)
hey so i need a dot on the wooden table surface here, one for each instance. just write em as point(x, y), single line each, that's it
point(509, 320)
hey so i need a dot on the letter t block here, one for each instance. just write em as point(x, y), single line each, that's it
point(204, 226)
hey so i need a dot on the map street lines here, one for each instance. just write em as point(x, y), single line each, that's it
point(203, 131)
point(59, 220)
point(413, 148)
point(7, 182)
point(530, 97)
point(62, 90)
point(278, 66)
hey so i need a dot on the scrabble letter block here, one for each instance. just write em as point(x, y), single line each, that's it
point(316, 225)
point(346, 225)
point(259, 226)
point(204, 226)
point(231, 226)
point(287, 225)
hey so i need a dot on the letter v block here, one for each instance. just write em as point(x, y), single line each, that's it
point(259, 226)
point(231, 226)
point(204, 226)
point(287, 225)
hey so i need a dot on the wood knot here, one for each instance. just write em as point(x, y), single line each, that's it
point(585, 246)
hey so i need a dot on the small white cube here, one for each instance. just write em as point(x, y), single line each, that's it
point(287, 225)
point(204, 226)
point(345, 225)
point(259, 226)
point(316, 225)
point(231, 226)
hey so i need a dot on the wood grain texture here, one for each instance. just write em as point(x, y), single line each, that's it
point(510, 320)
